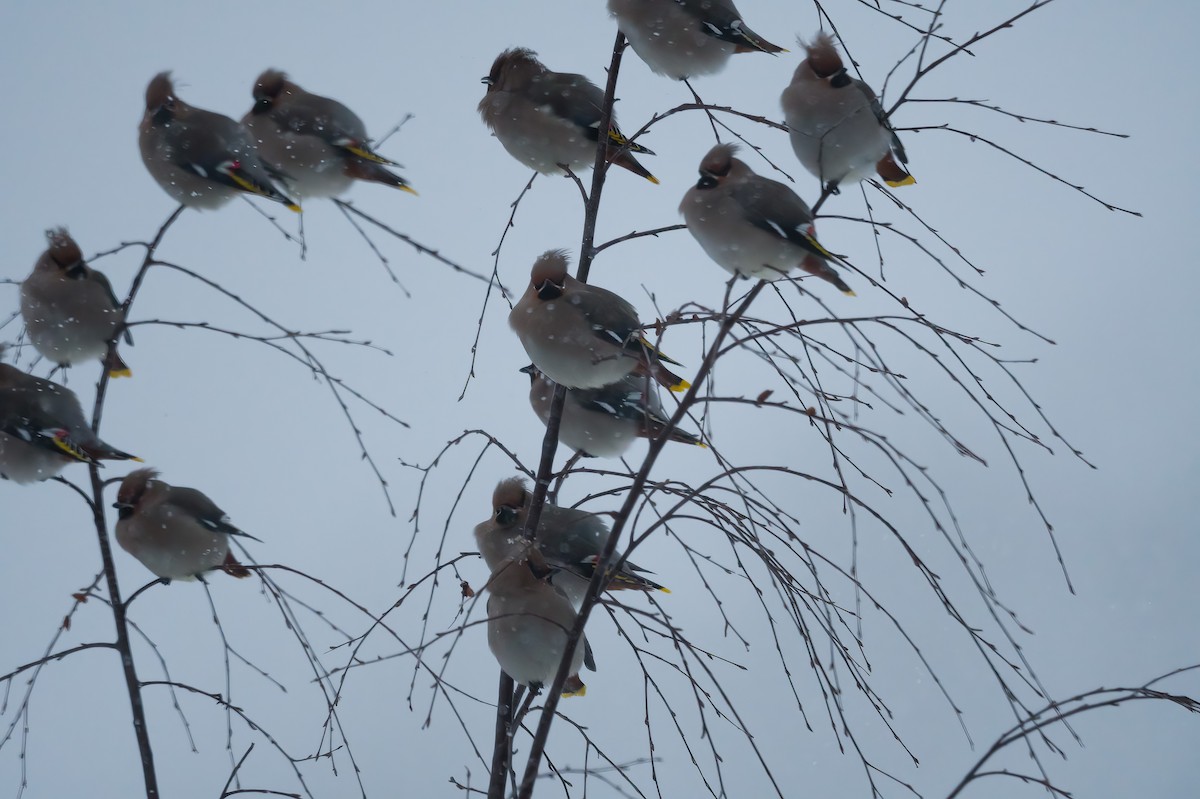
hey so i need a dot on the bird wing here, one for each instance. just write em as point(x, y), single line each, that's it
point(319, 116)
point(575, 98)
point(101, 280)
point(203, 510)
point(619, 399)
point(611, 316)
point(27, 416)
point(774, 208)
point(589, 659)
point(720, 20)
point(570, 96)
point(219, 149)
point(203, 141)
point(329, 120)
point(881, 115)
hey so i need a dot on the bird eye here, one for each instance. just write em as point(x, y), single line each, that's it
point(707, 182)
point(505, 515)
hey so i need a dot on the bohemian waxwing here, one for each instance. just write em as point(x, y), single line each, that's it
point(201, 158)
point(320, 145)
point(603, 422)
point(568, 539)
point(753, 226)
point(838, 128)
point(583, 336)
point(177, 533)
point(548, 120)
point(685, 38)
point(528, 623)
point(42, 429)
point(69, 308)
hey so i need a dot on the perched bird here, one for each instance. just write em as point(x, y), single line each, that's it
point(200, 158)
point(580, 335)
point(753, 226)
point(838, 128)
point(528, 623)
point(603, 422)
point(685, 38)
point(318, 144)
point(550, 120)
point(177, 533)
point(69, 308)
point(569, 540)
point(42, 429)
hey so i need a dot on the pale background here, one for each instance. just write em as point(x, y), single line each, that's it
point(268, 443)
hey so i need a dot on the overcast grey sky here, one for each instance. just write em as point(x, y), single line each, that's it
point(268, 443)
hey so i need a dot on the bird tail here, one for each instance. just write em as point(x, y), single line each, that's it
point(818, 267)
point(116, 365)
point(750, 42)
point(233, 568)
point(665, 377)
point(653, 426)
point(623, 158)
point(893, 173)
point(684, 437)
point(98, 451)
point(374, 171)
point(574, 687)
point(650, 364)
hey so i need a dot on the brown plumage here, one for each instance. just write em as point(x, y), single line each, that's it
point(200, 158)
point(43, 429)
point(581, 335)
point(319, 144)
point(604, 422)
point(838, 129)
point(177, 533)
point(685, 38)
point(549, 120)
point(751, 225)
point(69, 308)
point(568, 539)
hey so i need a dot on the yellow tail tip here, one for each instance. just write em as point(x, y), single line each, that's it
point(293, 207)
point(702, 445)
point(126, 372)
point(849, 293)
point(682, 385)
point(654, 180)
point(908, 181)
point(136, 459)
point(409, 189)
point(664, 589)
point(580, 691)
